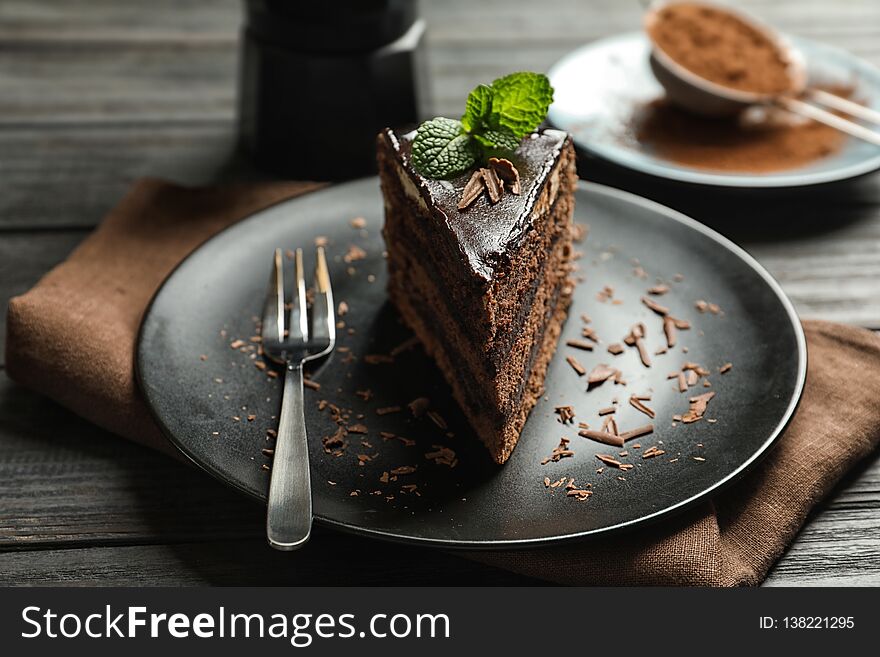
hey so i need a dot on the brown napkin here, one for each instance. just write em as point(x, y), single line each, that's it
point(72, 337)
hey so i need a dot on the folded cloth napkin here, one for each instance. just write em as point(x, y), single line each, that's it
point(73, 335)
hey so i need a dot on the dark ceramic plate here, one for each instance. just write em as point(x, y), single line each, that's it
point(212, 298)
point(599, 86)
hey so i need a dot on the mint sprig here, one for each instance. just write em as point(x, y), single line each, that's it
point(496, 118)
point(442, 148)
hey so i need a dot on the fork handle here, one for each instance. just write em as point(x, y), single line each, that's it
point(289, 518)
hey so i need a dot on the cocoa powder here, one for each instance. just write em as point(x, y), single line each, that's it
point(720, 47)
point(753, 143)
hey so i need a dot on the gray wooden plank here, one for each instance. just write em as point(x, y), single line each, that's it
point(96, 93)
point(325, 561)
point(66, 485)
point(118, 62)
point(71, 175)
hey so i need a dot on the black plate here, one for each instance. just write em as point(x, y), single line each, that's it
point(213, 296)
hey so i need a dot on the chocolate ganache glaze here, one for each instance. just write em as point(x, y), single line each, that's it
point(486, 233)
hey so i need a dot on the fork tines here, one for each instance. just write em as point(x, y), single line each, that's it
point(302, 336)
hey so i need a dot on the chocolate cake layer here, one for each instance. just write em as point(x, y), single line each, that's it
point(485, 289)
point(486, 239)
point(505, 302)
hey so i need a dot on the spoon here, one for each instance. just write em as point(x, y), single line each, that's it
point(701, 96)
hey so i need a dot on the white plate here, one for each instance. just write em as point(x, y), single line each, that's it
point(598, 87)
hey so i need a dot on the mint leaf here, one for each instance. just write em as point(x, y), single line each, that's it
point(441, 148)
point(520, 102)
point(503, 139)
point(479, 102)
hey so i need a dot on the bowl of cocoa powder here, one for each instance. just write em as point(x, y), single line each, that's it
point(608, 98)
point(715, 61)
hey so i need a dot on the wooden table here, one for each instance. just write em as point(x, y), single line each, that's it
point(94, 94)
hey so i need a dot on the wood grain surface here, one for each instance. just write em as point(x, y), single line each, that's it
point(96, 93)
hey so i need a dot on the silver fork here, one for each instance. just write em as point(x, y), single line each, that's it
point(289, 518)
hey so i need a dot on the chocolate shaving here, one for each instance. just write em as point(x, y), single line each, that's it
point(669, 331)
point(472, 190)
point(608, 410)
point(637, 403)
point(698, 407)
point(602, 437)
point(418, 406)
point(634, 338)
point(494, 186)
point(638, 432)
point(615, 349)
point(575, 365)
point(682, 382)
point(561, 451)
point(442, 456)
point(656, 307)
point(387, 409)
point(725, 368)
point(660, 288)
point(608, 460)
point(600, 374)
point(580, 344)
point(505, 170)
point(565, 413)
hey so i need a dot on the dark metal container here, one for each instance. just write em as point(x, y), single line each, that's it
point(319, 79)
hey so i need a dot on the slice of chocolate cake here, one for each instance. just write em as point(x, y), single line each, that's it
point(485, 287)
